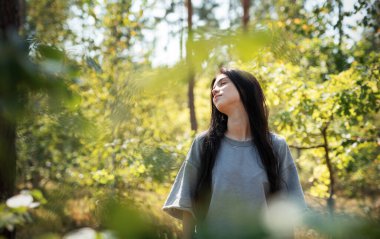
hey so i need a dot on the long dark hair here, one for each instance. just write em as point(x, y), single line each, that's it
point(254, 102)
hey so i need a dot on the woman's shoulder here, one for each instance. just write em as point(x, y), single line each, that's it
point(276, 136)
point(199, 137)
point(277, 139)
point(194, 154)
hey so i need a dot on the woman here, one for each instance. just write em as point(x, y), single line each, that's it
point(234, 168)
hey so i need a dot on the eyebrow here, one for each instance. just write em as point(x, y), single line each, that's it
point(219, 81)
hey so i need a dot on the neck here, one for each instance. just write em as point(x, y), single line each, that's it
point(238, 125)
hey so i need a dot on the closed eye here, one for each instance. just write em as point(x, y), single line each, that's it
point(221, 82)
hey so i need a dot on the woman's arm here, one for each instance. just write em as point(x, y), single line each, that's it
point(188, 225)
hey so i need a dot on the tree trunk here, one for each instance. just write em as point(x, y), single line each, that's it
point(9, 16)
point(9, 22)
point(191, 73)
point(245, 19)
point(330, 200)
point(7, 157)
point(193, 119)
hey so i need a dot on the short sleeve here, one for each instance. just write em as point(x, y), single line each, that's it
point(179, 198)
point(290, 184)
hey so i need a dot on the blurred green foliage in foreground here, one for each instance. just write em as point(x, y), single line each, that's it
point(120, 218)
point(101, 133)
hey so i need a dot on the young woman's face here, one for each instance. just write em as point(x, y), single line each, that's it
point(225, 94)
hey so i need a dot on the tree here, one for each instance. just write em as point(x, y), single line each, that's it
point(9, 25)
point(21, 78)
point(245, 18)
point(191, 73)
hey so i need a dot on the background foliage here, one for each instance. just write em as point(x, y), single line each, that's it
point(100, 119)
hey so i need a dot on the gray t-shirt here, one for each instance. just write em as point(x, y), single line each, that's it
point(239, 183)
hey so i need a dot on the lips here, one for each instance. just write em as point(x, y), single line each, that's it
point(216, 96)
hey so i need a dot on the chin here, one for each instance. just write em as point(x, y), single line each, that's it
point(221, 109)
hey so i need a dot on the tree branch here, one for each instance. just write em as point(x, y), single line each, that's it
point(306, 147)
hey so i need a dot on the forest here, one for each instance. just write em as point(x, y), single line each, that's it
point(100, 102)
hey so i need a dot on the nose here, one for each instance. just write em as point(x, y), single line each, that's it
point(214, 91)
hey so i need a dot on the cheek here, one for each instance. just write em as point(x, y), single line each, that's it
point(233, 95)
